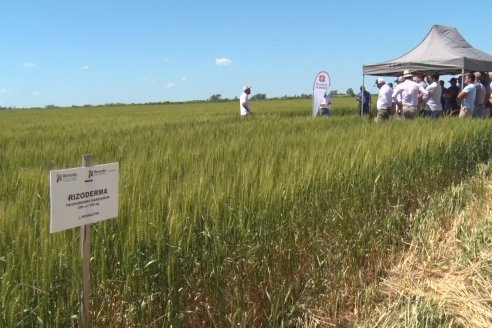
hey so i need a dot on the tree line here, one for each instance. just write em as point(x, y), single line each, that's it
point(212, 98)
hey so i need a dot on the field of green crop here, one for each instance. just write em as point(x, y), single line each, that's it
point(275, 220)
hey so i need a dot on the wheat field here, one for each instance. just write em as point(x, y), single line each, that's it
point(263, 221)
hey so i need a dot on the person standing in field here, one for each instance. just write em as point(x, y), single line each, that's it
point(467, 96)
point(451, 104)
point(244, 106)
point(433, 108)
point(384, 103)
point(443, 101)
point(407, 94)
point(325, 106)
point(486, 82)
point(488, 87)
point(489, 113)
point(364, 99)
point(420, 79)
point(480, 97)
point(398, 108)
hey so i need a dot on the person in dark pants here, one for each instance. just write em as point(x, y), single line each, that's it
point(364, 99)
point(325, 106)
point(451, 106)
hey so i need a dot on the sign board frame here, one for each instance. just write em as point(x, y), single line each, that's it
point(83, 195)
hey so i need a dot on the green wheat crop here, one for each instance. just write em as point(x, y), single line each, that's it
point(222, 220)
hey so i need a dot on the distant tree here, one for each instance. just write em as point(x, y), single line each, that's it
point(259, 96)
point(350, 92)
point(216, 97)
point(333, 92)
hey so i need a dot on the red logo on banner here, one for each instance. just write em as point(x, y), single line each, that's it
point(322, 78)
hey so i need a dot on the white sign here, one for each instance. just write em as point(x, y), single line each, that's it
point(83, 195)
point(320, 87)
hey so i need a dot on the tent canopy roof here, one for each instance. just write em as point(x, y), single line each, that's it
point(443, 50)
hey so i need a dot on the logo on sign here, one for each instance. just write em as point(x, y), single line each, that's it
point(91, 174)
point(66, 177)
point(322, 78)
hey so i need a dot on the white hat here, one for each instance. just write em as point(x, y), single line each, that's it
point(407, 73)
point(379, 80)
point(246, 87)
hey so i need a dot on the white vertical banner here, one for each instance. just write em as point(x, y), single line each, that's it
point(320, 87)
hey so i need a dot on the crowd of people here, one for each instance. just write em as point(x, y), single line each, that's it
point(416, 95)
point(425, 95)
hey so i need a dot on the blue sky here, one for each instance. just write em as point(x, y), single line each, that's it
point(136, 51)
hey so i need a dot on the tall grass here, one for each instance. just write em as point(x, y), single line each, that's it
point(444, 278)
point(222, 220)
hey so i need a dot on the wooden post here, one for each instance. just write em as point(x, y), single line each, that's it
point(85, 248)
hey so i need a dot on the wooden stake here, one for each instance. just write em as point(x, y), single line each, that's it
point(85, 248)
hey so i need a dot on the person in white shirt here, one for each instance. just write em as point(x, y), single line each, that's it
point(420, 79)
point(244, 106)
point(467, 96)
point(325, 106)
point(409, 93)
point(398, 109)
point(384, 103)
point(434, 106)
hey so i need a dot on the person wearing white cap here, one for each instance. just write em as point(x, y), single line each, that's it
point(384, 103)
point(409, 93)
point(244, 106)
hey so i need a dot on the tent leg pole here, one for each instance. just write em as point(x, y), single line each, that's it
point(462, 78)
point(362, 102)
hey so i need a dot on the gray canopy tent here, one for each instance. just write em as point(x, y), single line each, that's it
point(443, 51)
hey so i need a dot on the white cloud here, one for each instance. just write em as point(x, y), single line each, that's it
point(29, 65)
point(36, 94)
point(3, 90)
point(184, 78)
point(85, 67)
point(170, 85)
point(223, 61)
